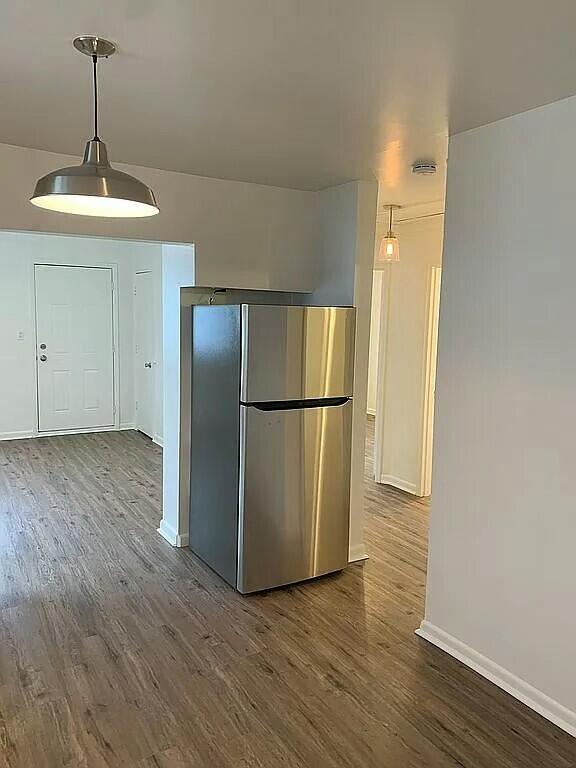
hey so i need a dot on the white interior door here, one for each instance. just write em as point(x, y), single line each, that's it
point(75, 347)
point(144, 341)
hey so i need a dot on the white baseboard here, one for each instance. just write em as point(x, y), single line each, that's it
point(23, 434)
point(82, 431)
point(549, 708)
point(159, 440)
point(26, 434)
point(398, 482)
point(357, 553)
point(168, 533)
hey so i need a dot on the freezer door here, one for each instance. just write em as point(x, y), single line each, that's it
point(293, 353)
point(294, 494)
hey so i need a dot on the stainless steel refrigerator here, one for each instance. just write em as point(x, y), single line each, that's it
point(271, 421)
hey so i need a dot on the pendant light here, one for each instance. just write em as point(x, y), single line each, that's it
point(94, 188)
point(389, 249)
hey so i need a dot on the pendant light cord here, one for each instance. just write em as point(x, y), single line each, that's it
point(390, 222)
point(95, 83)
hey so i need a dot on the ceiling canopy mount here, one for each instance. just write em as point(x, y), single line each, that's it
point(94, 46)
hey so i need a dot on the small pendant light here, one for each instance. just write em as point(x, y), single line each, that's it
point(94, 188)
point(389, 246)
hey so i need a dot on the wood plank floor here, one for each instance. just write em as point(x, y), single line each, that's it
point(117, 650)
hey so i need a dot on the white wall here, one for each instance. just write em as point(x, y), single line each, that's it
point(502, 569)
point(344, 276)
point(177, 271)
point(245, 235)
point(18, 254)
point(403, 289)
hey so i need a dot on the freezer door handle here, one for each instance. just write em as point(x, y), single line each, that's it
point(293, 405)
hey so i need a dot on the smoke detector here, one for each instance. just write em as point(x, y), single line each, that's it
point(424, 167)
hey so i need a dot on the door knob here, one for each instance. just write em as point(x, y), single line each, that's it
point(147, 365)
point(43, 358)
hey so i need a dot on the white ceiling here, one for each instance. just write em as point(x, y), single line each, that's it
point(298, 93)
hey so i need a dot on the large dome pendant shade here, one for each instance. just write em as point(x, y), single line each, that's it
point(94, 188)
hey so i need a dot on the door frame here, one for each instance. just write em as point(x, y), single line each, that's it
point(429, 384)
point(115, 352)
point(150, 271)
point(381, 366)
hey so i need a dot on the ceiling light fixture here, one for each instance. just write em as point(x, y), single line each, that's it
point(94, 188)
point(389, 249)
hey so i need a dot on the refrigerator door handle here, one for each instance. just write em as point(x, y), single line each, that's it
point(292, 405)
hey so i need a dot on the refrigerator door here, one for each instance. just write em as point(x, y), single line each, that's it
point(296, 353)
point(294, 494)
